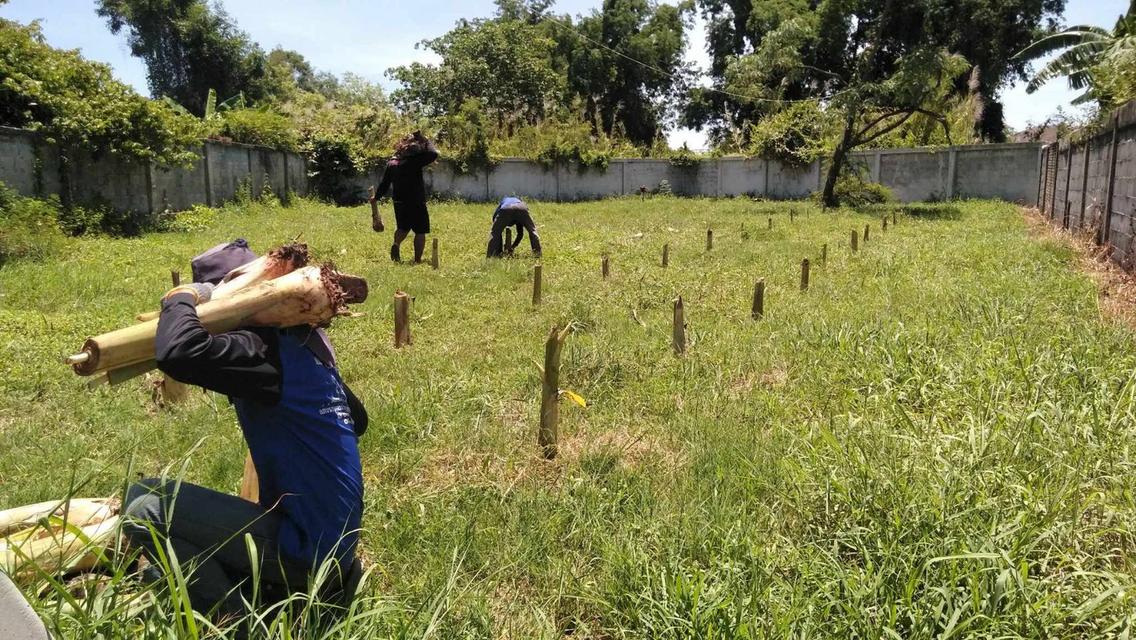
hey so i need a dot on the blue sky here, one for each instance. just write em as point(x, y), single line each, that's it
point(369, 36)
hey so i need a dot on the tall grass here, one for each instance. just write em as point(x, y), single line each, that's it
point(933, 441)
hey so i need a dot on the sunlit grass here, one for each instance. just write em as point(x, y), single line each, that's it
point(934, 440)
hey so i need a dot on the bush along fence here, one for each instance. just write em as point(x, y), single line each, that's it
point(1088, 185)
point(33, 167)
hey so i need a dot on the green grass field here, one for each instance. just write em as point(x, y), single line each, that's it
point(936, 440)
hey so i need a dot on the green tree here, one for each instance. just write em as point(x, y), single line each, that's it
point(1095, 60)
point(986, 33)
point(189, 48)
point(289, 71)
point(625, 61)
point(78, 103)
point(873, 65)
point(504, 64)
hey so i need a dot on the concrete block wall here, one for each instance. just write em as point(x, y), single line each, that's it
point(1094, 179)
point(32, 168)
point(1009, 172)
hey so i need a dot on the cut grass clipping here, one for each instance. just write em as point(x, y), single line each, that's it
point(935, 440)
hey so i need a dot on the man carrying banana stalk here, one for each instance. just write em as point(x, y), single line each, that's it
point(301, 423)
point(511, 212)
point(403, 177)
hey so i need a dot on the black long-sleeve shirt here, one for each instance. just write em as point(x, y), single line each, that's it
point(239, 364)
point(403, 176)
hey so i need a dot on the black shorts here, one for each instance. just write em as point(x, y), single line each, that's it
point(411, 217)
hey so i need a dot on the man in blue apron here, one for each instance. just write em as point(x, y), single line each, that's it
point(301, 423)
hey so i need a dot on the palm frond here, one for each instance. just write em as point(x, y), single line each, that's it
point(1072, 36)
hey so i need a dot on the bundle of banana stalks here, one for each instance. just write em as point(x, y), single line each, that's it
point(277, 290)
point(58, 536)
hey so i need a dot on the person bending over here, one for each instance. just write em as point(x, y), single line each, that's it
point(301, 423)
point(403, 176)
point(511, 212)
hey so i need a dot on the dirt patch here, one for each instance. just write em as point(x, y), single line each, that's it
point(445, 470)
point(1116, 288)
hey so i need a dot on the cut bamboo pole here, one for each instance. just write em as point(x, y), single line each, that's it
point(605, 268)
point(250, 481)
point(508, 240)
point(536, 285)
point(312, 295)
point(276, 263)
point(434, 260)
point(805, 274)
point(174, 392)
point(709, 239)
point(758, 309)
point(885, 225)
point(894, 219)
point(401, 319)
point(824, 255)
point(855, 241)
point(666, 255)
point(376, 219)
point(678, 330)
point(78, 512)
point(175, 278)
point(792, 217)
point(73, 549)
point(867, 232)
point(771, 222)
point(549, 432)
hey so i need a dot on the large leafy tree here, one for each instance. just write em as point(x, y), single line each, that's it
point(78, 103)
point(1095, 60)
point(506, 65)
point(986, 33)
point(190, 47)
point(625, 61)
point(873, 66)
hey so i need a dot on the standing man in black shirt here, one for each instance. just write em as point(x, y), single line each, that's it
point(403, 176)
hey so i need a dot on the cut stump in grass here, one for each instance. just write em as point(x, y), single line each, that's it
point(805, 274)
point(867, 232)
point(434, 258)
point(758, 309)
point(666, 255)
point(605, 267)
point(250, 482)
point(855, 241)
point(173, 392)
point(175, 278)
point(885, 225)
point(508, 240)
point(771, 222)
point(792, 216)
point(824, 255)
point(678, 331)
point(894, 219)
point(549, 433)
point(709, 239)
point(401, 319)
point(536, 285)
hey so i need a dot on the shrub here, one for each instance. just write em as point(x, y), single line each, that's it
point(100, 217)
point(79, 104)
point(197, 218)
point(260, 127)
point(852, 190)
point(28, 227)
